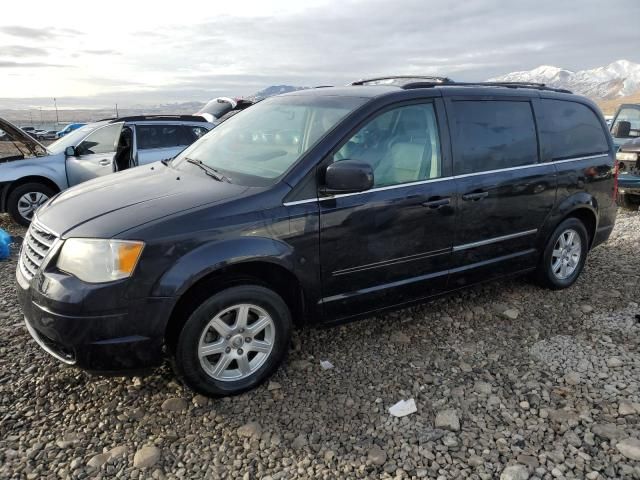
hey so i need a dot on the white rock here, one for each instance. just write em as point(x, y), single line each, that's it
point(483, 388)
point(515, 472)
point(572, 378)
point(326, 364)
point(403, 408)
point(626, 408)
point(630, 448)
point(448, 420)
point(117, 452)
point(273, 386)
point(511, 313)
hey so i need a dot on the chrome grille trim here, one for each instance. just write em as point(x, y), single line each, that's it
point(38, 243)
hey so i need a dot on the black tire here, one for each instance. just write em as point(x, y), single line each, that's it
point(545, 275)
point(18, 192)
point(628, 202)
point(186, 361)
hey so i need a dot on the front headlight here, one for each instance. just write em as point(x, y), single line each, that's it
point(97, 261)
point(627, 156)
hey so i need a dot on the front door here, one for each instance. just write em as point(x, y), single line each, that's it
point(504, 192)
point(391, 244)
point(94, 156)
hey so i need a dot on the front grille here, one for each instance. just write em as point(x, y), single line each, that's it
point(36, 246)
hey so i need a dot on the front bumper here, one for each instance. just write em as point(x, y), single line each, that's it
point(629, 184)
point(67, 325)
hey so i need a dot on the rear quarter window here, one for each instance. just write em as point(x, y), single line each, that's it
point(493, 135)
point(571, 129)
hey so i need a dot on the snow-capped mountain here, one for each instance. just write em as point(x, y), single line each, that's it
point(618, 79)
point(274, 90)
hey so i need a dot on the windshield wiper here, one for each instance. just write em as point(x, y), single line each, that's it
point(212, 172)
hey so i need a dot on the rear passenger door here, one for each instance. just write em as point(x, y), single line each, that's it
point(156, 142)
point(504, 191)
point(390, 244)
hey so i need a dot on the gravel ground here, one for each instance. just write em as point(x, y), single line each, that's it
point(510, 381)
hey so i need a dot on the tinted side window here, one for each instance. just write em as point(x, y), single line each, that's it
point(401, 145)
point(491, 135)
point(572, 129)
point(157, 136)
point(103, 140)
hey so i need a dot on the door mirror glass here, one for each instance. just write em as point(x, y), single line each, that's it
point(348, 176)
point(70, 151)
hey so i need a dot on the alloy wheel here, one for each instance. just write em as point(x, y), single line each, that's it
point(566, 254)
point(30, 202)
point(236, 342)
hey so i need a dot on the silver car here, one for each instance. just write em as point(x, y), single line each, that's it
point(31, 173)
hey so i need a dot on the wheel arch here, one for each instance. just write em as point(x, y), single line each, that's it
point(263, 272)
point(582, 206)
point(11, 186)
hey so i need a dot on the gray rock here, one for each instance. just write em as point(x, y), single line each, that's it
point(607, 431)
point(98, 460)
point(146, 457)
point(448, 420)
point(300, 441)
point(174, 404)
point(630, 448)
point(251, 429)
point(377, 456)
point(273, 386)
point(515, 472)
point(573, 378)
point(483, 388)
point(117, 452)
point(614, 362)
point(511, 314)
point(400, 338)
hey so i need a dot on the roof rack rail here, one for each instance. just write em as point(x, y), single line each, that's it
point(535, 86)
point(427, 78)
point(137, 118)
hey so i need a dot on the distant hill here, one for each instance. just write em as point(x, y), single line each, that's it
point(274, 90)
point(614, 81)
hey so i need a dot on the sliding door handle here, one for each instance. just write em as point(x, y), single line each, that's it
point(475, 196)
point(436, 203)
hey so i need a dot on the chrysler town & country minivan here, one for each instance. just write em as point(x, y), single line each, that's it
point(316, 207)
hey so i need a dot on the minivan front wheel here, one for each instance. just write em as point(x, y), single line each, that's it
point(233, 341)
point(25, 199)
point(564, 255)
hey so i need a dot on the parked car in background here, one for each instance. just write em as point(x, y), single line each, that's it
point(29, 130)
point(49, 135)
point(625, 130)
point(31, 173)
point(220, 109)
point(69, 128)
point(317, 206)
point(625, 125)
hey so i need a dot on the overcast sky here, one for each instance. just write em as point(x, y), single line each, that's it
point(101, 52)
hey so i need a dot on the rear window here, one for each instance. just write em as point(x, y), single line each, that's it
point(492, 135)
point(571, 130)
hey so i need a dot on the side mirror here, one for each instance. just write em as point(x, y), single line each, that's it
point(70, 152)
point(347, 176)
point(622, 129)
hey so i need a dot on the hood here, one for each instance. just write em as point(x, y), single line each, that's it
point(631, 146)
point(16, 134)
point(107, 206)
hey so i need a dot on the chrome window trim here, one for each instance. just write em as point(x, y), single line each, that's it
point(440, 179)
point(489, 241)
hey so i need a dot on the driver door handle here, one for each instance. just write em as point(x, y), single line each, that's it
point(475, 196)
point(105, 162)
point(436, 203)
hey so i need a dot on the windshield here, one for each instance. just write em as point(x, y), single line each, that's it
point(73, 138)
point(259, 146)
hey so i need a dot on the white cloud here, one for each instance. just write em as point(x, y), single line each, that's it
point(156, 52)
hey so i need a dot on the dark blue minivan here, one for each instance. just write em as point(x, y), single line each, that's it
point(316, 207)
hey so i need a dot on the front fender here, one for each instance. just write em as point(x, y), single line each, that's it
point(208, 258)
point(51, 167)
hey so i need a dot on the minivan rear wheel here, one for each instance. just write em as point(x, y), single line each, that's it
point(564, 255)
point(24, 200)
point(233, 341)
